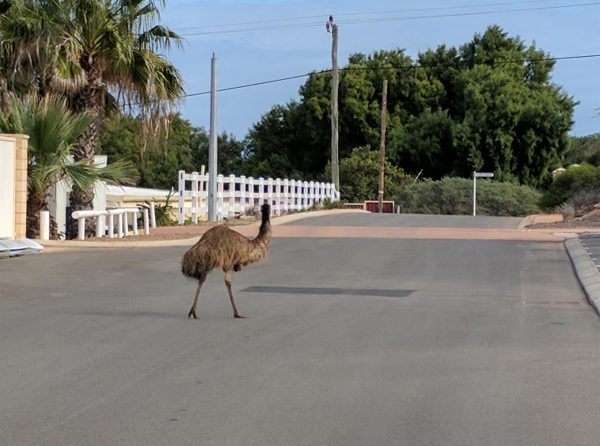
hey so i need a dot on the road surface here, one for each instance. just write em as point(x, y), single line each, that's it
point(348, 342)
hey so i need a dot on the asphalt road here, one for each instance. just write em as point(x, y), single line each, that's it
point(348, 342)
point(412, 221)
point(591, 243)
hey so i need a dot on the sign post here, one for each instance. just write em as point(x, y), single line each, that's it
point(475, 176)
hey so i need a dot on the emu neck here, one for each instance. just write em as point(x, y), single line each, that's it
point(265, 229)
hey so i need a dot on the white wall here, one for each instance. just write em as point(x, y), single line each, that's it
point(7, 188)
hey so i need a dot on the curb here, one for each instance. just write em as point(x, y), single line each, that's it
point(585, 270)
point(125, 243)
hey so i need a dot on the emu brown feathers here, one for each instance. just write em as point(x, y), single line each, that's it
point(222, 247)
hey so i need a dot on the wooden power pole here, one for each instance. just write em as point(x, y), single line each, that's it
point(382, 145)
point(335, 168)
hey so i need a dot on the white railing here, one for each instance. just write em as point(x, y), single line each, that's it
point(105, 221)
point(236, 194)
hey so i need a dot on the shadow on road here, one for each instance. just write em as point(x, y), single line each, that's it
point(330, 291)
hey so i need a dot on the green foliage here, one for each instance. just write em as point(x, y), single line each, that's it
point(487, 105)
point(584, 149)
point(566, 185)
point(53, 130)
point(183, 148)
point(164, 213)
point(454, 196)
point(360, 174)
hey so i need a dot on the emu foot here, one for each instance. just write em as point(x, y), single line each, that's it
point(239, 316)
point(192, 313)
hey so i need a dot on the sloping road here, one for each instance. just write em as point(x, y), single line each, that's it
point(349, 342)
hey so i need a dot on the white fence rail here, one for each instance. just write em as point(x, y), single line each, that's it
point(236, 194)
point(105, 221)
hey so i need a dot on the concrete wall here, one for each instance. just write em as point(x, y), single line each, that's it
point(13, 186)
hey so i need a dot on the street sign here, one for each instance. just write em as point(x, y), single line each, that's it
point(475, 176)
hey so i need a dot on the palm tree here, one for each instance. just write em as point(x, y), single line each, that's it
point(101, 53)
point(53, 132)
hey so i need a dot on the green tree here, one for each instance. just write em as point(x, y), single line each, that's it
point(361, 176)
point(584, 149)
point(489, 104)
point(53, 132)
point(574, 180)
point(184, 147)
point(101, 53)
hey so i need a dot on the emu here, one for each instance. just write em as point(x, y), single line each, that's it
point(223, 247)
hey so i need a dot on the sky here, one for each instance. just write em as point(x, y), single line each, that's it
point(261, 40)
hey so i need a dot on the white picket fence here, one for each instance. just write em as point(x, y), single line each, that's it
point(236, 194)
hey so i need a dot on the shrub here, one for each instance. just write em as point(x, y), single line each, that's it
point(455, 196)
point(574, 180)
point(359, 176)
point(164, 213)
point(580, 204)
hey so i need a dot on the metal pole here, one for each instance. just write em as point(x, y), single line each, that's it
point(335, 170)
point(474, 193)
point(382, 145)
point(212, 145)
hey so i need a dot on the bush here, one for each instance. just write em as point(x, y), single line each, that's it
point(574, 180)
point(580, 204)
point(164, 213)
point(359, 176)
point(454, 196)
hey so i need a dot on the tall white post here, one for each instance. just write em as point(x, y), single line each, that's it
point(45, 225)
point(120, 225)
point(111, 224)
point(474, 194)
point(242, 194)
point(212, 146)
point(153, 215)
point(100, 226)
point(231, 195)
point(181, 187)
point(134, 223)
point(195, 197)
point(286, 195)
point(125, 224)
point(146, 222)
point(81, 228)
point(261, 191)
point(251, 195)
point(278, 196)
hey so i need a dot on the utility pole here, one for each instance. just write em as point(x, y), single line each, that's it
point(382, 144)
point(212, 144)
point(335, 168)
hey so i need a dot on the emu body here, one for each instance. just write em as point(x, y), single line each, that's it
point(222, 247)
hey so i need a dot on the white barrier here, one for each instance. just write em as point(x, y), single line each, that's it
point(100, 218)
point(235, 194)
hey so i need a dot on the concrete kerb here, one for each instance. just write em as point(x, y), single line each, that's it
point(585, 270)
point(124, 243)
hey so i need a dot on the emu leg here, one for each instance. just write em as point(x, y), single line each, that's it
point(228, 275)
point(193, 309)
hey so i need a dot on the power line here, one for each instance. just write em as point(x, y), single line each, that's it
point(387, 18)
point(400, 69)
point(345, 14)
